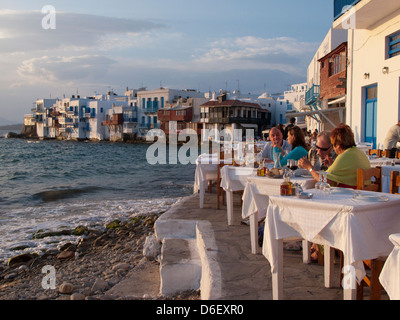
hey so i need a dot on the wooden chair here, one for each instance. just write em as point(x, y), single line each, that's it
point(378, 152)
point(365, 175)
point(375, 265)
point(394, 182)
point(397, 155)
point(386, 153)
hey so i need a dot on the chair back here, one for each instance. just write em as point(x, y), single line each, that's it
point(397, 155)
point(378, 152)
point(364, 176)
point(394, 182)
point(386, 153)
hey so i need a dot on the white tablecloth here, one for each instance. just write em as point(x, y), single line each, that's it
point(386, 173)
point(358, 227)
point(255, 200)
point(257, 190)
point(382, 161)
point(234, 179)
point(206, 170)
point(390, 275)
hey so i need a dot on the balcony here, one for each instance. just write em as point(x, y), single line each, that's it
point(312, 95)
point(366, 14)
point(150, 110)
point(339, 4)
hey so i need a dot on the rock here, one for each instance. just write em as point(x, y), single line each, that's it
point(99, 285)
point(121, 266)
point(66, 288)
point(151, 248)
point(77, 296)
point(65, 255)
point(21, 258)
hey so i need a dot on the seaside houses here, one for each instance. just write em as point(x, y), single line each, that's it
point(180, 115)
point(222, 113)
point(150, 101)
point(373, 74)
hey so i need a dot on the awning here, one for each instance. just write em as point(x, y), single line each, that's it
point(247, 125)
point(321, 112)
point(342, 99)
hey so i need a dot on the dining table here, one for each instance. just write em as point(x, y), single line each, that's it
point(206, 170)
point(234, 178)
point(256, 199)
point(390, 274)
point(386, 176)
point(356, 222)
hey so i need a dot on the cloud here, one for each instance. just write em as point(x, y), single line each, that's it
point(282, 53)
point(23, 31)
point(51, 69)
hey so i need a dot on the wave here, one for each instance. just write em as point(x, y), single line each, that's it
point(54, 195)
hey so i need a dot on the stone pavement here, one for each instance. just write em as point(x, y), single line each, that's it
point(201, 251)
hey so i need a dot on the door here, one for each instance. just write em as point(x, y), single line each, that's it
point(371, 102)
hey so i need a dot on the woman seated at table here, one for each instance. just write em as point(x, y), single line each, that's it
point(299, 147)
point(343, 171)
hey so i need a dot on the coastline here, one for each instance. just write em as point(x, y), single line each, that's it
point(92, 269)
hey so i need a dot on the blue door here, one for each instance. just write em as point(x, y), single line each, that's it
point(371, 103)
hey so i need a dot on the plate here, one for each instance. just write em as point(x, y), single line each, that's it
point(278, 176)
point(306, 175)
point(335, 190)
point(372, 198)
point(305, 195)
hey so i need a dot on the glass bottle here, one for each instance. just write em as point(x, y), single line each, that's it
point(286, 185)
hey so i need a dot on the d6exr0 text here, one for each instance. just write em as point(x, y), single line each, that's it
point(222, 309)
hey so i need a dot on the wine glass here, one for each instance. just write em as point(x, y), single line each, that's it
point(325, 186)
point(319, 183)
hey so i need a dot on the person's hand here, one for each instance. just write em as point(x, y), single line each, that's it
point(305, 163)
point(328, 161)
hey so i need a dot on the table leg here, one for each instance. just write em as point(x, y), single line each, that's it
point(349, 282)
point(202, 191)
point(229, 206)
point(306, 251)
point(254, 233)
point(277, 276)
point(329, 256)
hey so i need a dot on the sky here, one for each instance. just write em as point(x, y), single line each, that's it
point(86, 47)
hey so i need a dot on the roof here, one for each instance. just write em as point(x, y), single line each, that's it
point(230, 103)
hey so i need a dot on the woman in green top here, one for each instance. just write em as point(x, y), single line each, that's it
point(343, 171)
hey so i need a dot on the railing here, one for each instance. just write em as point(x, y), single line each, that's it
point(150, 110)
point(312, 94)
point(339, 4)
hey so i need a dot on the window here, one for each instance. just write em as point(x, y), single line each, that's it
point(394, 45)
point(337, 63)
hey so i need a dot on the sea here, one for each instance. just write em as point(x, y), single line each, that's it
point(51, 185)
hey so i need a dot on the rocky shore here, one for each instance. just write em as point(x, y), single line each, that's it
point(87, 270)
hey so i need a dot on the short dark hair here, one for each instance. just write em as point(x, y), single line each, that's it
point(343, 136)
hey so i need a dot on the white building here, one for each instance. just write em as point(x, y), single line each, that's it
point(150, 101)
point(314, 117)
point(373, 80)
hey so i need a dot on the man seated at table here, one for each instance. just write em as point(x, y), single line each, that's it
point(322, 155)
point(276, 140)
point(343, 171)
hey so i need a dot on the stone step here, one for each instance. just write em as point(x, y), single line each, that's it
point(180, 268)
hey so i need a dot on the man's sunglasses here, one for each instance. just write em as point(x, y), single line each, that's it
point(323, 149)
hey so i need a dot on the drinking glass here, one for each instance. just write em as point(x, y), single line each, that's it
point(318, 185)
point(325, 186)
